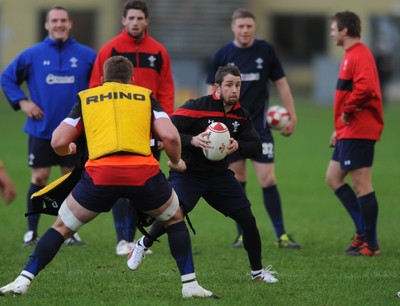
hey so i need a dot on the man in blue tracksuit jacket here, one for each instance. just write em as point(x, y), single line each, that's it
point(55, 70)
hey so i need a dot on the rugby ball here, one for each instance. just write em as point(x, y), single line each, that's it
point(219, 137)
point(277, 117)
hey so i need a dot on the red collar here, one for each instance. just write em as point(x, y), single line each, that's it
point(235, 107)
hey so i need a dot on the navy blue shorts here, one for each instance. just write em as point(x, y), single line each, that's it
point(155, 192)
point(223, 192)
point(42, 155)
point(354, 153)
point(267, 156)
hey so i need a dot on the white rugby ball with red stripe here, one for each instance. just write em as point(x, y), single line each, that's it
point(219, 136)
point(277, 117)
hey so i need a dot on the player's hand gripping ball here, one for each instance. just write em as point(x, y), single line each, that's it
point(277, 117)
point(219, 136)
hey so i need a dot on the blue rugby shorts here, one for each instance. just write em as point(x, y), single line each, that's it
point(155, 192)
point(42, 155)
point(267, 156)
point(354, 153)
point(223, 192)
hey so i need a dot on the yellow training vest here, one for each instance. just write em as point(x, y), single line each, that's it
point(116, 117)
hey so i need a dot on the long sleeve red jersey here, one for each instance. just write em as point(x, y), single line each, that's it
point(358, 94)
point(151, 62)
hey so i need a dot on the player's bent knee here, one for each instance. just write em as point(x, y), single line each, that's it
point(171, 209)
point(68, 218)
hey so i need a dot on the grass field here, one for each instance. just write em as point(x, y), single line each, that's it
point(318, 274)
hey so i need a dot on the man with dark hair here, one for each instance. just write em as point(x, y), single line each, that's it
point(120, 164)
point(259, 65)
point(55, 70)
point(153, 71)
point(212, 180)
point(358, 122)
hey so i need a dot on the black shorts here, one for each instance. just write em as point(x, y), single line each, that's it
point(223, 192)
point(155, 192)
point(42, 155)
point(354, 153)
point(267, 142)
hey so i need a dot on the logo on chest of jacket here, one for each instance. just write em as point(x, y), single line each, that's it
point(235, 126)
point(152, 60)
point(259, 62)
point(74, 62)
point(60, 79)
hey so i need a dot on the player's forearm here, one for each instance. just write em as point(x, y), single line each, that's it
point(62, 139)
point(286, 97)
point(172, 148)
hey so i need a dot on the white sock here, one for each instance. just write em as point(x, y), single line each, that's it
point(255, 273)
point(25, 277)
point(188, 278)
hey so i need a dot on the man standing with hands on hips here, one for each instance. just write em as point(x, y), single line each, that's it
point(55, 70)
point(358, 121)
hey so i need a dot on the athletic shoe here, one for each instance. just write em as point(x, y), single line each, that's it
point(30, 238)
point(17, 287)
point(266, 275)
point(132, 244)
point(377, 251)
point(286, 241)
point(365, 250)
point(136, 255)
point(75, 240)
point(238, 243)
point(356, 242)
point(123, 248)
point(193, 289)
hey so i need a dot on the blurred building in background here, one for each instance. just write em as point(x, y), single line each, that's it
point(192, 30)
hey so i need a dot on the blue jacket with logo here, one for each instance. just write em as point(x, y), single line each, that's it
point(55, 71)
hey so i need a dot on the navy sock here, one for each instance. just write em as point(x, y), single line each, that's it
point(272, 202)
point(349, 200)
point(369, 208)
point(251, 236)
point(33, 220)
point(120, 213)
point(156, 230)
point(181, 247)
point(238, 227)
point(44, 252)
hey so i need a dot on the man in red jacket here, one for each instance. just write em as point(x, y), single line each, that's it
point(152, 70)
point(358, 121)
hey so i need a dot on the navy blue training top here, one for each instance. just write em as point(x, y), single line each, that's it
point(258, 64)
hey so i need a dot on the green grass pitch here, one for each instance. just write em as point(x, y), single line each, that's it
point(318, 274)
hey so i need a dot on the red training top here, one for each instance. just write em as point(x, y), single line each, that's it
point(151, 62)
point(358, 94)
